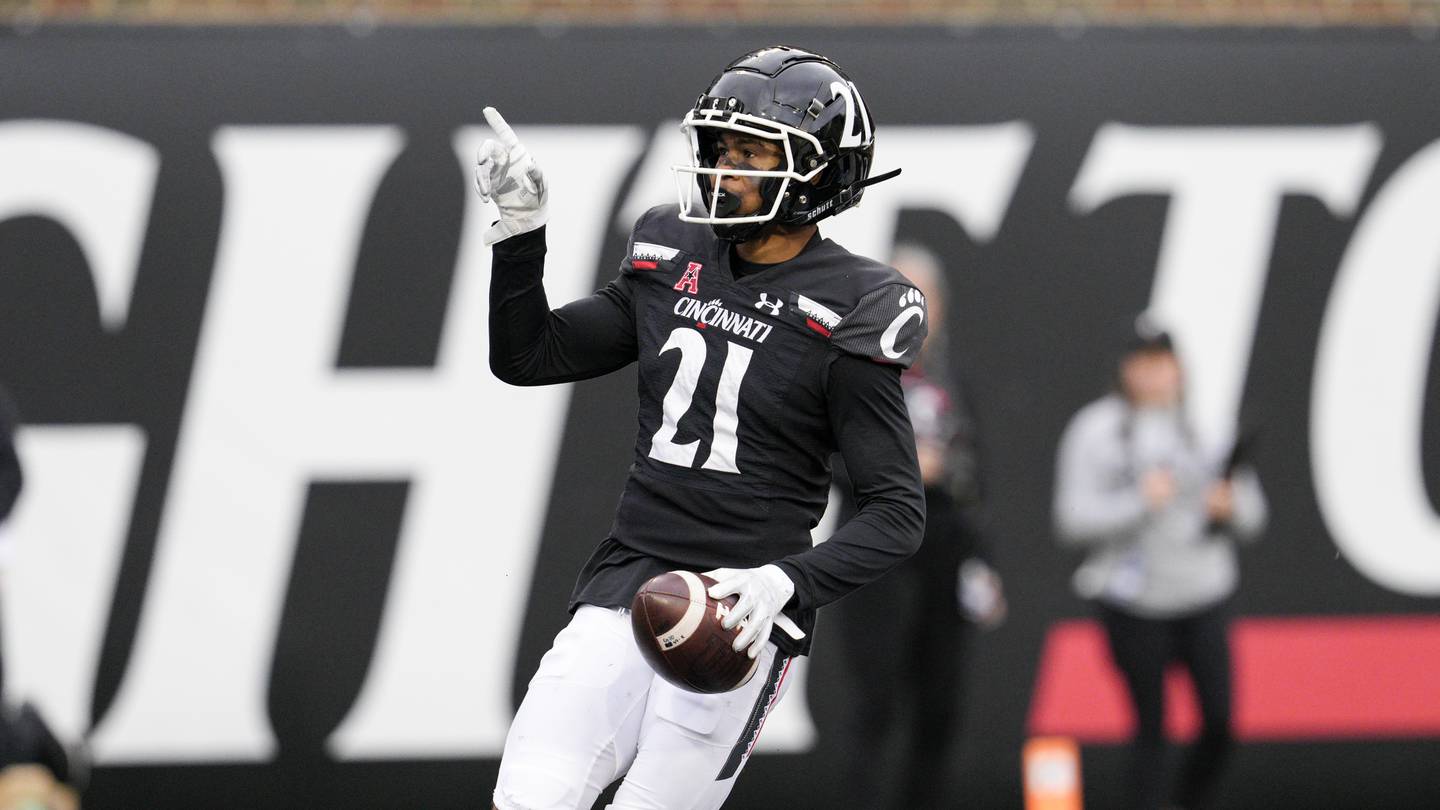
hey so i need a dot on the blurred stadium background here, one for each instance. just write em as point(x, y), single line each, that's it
point(1421, 14)
point(285, 544)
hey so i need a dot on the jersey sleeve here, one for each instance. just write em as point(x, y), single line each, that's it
point(531, 344)
point(888, 325)
point(873, 434)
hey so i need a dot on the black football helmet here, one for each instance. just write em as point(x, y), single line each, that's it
point(811, 109)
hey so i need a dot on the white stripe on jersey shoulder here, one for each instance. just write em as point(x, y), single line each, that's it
point(653, 252)
point(824, 316)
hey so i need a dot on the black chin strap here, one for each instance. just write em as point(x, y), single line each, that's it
point(844, 198)
point(870, 181)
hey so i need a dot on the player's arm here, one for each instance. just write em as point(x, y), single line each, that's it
point(1093, 503)
point(873, 434)
point(874, 437)
point(871, 426)
point(530, 344)
point(873, 343)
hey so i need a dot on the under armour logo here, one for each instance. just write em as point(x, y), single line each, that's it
point(766, 303)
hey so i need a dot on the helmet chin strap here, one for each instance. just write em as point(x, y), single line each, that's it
point(854, 188)
point(870, 181)
point(843, 199)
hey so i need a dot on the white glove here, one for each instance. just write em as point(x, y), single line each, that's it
point(763, 592)
point(507, 175)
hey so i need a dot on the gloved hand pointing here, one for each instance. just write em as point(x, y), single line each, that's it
point(763, 592)
point(506, 174)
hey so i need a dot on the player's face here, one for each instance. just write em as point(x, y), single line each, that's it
point(736, 150)
point(1152, 379)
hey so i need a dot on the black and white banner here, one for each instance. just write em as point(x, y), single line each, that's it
point(285, 535)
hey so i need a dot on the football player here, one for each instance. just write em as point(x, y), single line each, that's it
point(762, 349)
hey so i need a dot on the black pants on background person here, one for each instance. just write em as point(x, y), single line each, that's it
point(902, 641)
point(1142, 649)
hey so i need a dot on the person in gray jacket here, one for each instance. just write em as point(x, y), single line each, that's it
point(1158, 516)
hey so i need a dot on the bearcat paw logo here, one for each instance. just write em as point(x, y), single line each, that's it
point(911, 296)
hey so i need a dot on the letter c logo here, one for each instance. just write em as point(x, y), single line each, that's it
point(887, 340)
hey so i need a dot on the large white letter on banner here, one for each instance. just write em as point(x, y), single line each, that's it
point(1369, 391)
point(268, 412)
point(68, 532)
point(428, 694)
point(98, 184)
point(968, 172)
point(1225, 185)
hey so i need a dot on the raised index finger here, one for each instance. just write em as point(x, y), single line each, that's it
point(502, 129)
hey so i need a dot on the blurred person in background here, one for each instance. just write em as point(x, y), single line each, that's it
point(903, 640)
point(1158, 517)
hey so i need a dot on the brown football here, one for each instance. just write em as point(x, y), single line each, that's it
point(677, 627)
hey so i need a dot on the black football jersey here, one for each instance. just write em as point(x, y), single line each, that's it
point(747, 386)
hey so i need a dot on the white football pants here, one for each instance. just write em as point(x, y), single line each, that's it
point(595, 711)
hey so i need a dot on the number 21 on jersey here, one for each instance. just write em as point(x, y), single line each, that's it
point(725, 436)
